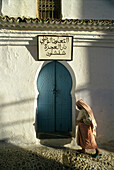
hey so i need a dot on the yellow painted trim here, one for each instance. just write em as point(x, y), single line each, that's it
point(37, 7)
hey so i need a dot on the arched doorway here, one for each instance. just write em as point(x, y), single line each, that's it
point(54, 103)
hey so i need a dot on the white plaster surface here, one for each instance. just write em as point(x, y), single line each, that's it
point(71, 9)
point(19, 8)
point(17, 72)
point(88, 9)
point(93, 69)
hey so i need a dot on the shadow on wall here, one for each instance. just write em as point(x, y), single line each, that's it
point(100, 88)
point(109, 2)
point(33, 49)
point(0, 7)
point(3, 125)
point(101, 71)
point(6, 125)
point(2, 105)
point(95, 9)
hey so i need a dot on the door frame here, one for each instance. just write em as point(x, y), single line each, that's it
point(69, 68)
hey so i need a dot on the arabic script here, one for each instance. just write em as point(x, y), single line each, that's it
point(54, 45)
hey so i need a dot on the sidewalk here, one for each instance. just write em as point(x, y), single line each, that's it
point(40, 157)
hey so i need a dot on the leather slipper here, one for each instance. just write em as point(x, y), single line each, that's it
point(96, 156)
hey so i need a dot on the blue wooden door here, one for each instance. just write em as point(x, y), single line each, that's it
point(54, 104)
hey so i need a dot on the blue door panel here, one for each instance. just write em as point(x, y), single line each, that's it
point(54, 99)
point(46, 117)
point(63, 99)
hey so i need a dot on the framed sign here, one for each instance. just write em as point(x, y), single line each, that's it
point(52, 47)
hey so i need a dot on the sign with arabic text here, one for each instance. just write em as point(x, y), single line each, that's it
point(55, 47)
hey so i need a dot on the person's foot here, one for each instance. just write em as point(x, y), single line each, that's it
point(97, 155)
point(97, 151)
point(83, 150)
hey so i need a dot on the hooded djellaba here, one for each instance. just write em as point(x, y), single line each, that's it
point(86, 128)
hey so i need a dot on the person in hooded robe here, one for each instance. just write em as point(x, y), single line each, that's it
point(86, 128)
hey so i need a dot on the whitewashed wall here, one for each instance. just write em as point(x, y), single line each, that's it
point(18, 8)
point(95, 81)
point(92, 65)
point(72, 9)
point(88, 9)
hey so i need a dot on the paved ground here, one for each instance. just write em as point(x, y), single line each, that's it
point(14, 157)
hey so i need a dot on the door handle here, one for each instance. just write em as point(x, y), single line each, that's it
point(54, 90)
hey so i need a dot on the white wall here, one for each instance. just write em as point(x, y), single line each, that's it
point(17, 94)
point(94, 68)
point(71, 9)
point(92, 65)
point(88, 9)
point(19, 8)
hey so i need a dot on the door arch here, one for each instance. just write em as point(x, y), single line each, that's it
point(54, 102)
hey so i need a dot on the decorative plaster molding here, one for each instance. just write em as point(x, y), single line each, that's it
point(80, 38)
